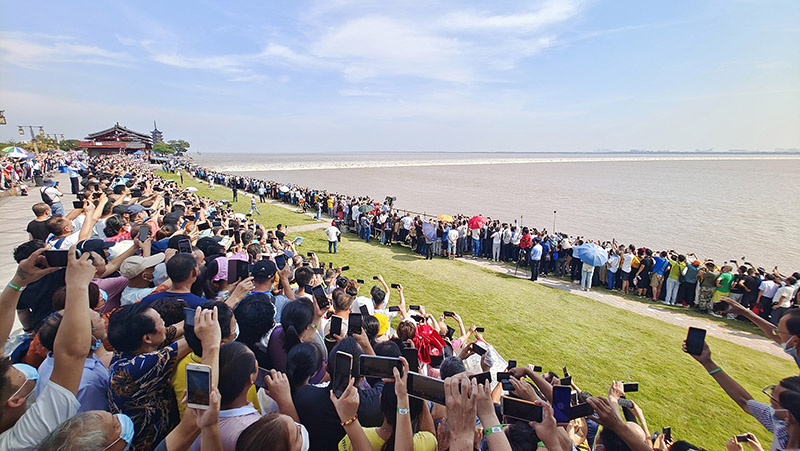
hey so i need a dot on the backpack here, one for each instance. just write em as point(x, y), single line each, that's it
point(46, 197)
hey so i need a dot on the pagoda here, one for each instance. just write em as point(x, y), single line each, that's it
point(115, 140)
point(156, 134)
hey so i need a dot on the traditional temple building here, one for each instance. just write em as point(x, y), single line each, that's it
point(156, 134)
point(116, 139)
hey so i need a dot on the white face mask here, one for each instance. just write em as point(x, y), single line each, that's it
point(304, 435)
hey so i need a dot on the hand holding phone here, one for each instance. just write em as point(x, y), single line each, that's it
point(198, 386)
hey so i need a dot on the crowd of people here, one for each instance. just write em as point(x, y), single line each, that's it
point(667, 276)
point(143, 286)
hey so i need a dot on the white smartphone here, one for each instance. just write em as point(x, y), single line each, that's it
point(198, 385)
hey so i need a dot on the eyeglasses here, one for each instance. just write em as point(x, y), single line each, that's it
point(769, 390)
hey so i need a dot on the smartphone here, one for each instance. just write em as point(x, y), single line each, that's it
point(479, 329)
point(424, 387)
point(77, 204)
point(56, 258)
point(342, 369)
point(667, 432)
point(188, 316)
point(695, 339)
point(144, 233)
point(319, 271)
point(198, 386)
point(480, 378)
point(394, 308)
point(136, 193)
point(412, 357)
point(378, 366)
point(479, 348)
point(374, 277)
point(364, 311)
point(503, 378)
point(628, 387)
point(336, 326)
point(280, 261)
point(395, 285)
point(360, 281)
point(309, 254)
point(561, 401)
point(203, 226)
point(345, 268)
point(330, 265)
point(537, 369)
point(237, 237)
point(739, 438)
point(580, 411)
point(566, 373)
point(413, 307)
point(512, 364)
point(261, 378)
point(449, 314)
point(520, 409)
point(354, 324)
point(566, 381)
point(185, 246)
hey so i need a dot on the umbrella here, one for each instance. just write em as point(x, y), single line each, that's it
point(365, 208)
point(240, 216)
point(591, 254)
point(445, 218)
point(429, 231)
point(191, 189)
point(476, 222)
point(285, 189)
point(15, 152)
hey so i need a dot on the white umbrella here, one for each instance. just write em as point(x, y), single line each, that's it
point(240, 216)
point(285, 189)
point(191, 189)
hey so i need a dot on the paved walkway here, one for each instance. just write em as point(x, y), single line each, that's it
point(715, 329)
point(15, 212)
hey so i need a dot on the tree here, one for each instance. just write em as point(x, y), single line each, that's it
point(178, 146)
point(68, 144)
point(162, 148)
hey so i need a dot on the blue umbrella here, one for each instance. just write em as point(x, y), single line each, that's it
point(591, 254)
point(429, 230)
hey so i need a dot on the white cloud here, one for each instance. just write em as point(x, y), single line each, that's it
point(551, 12)
point(37, 50)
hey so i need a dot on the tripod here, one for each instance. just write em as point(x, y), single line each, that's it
point(521, 255)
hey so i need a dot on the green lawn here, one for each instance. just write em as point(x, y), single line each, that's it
point(271, 215)
point(535, 324)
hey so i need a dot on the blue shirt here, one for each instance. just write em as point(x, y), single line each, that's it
point(660, 265)
point(536, 252)
point(93, 390)
point(192, 299)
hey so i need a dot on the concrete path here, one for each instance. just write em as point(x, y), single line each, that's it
point(15, 214)
point(716, 329)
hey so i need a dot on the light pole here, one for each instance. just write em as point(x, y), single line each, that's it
point(33, 137)
point(554, 221)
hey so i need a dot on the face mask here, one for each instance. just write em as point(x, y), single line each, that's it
point(126, 431)
point(30, 375)
point(236, 332)
point(304, 434)
point(97, 343)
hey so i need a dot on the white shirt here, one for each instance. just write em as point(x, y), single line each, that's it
point(406, 220)
point(496, 237)
point(132, 295)
point(786, 292)
point(54, 405)
point(613, 263)
point(452, 235)
point(333, 233)
point(627, 259)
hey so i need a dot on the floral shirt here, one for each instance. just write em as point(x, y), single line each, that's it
point(140, 388)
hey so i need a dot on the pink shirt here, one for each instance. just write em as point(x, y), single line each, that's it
point(231, 424)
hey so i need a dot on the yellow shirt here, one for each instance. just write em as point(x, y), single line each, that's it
point(179, 383)
point(423, 441)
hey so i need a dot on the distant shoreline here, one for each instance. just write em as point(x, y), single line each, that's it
point(325, 165)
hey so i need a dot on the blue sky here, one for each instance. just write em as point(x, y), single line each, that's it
point(355, 75)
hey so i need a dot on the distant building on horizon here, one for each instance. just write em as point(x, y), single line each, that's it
point(156, 134)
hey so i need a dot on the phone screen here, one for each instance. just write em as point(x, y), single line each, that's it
point(628, 387)
point(561, 400)
point(354, 324)
point(520, 409)
point(504, 379)
point(512, 364)
point(478, 348)
point(203, 226)
point(260, 379)
point(412, 357)
point(378, 366)
point(341, 372)
point(77, 204)
point(336, 325)
point(198, 386)
point(56, 258)
point(695, 339)
point(481, 378)
point(394, 308)
point(280, 261)
point(185, 246)
point(364, 310)
point(426, 388)
point(581, 410)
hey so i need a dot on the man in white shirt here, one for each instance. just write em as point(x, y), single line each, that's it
point(497, 238)
point(333, 237)
point(782, 300)
point(139, 272)
point(51, 195)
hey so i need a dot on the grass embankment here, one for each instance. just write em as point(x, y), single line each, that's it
point(271, 216)
point(599, 343)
